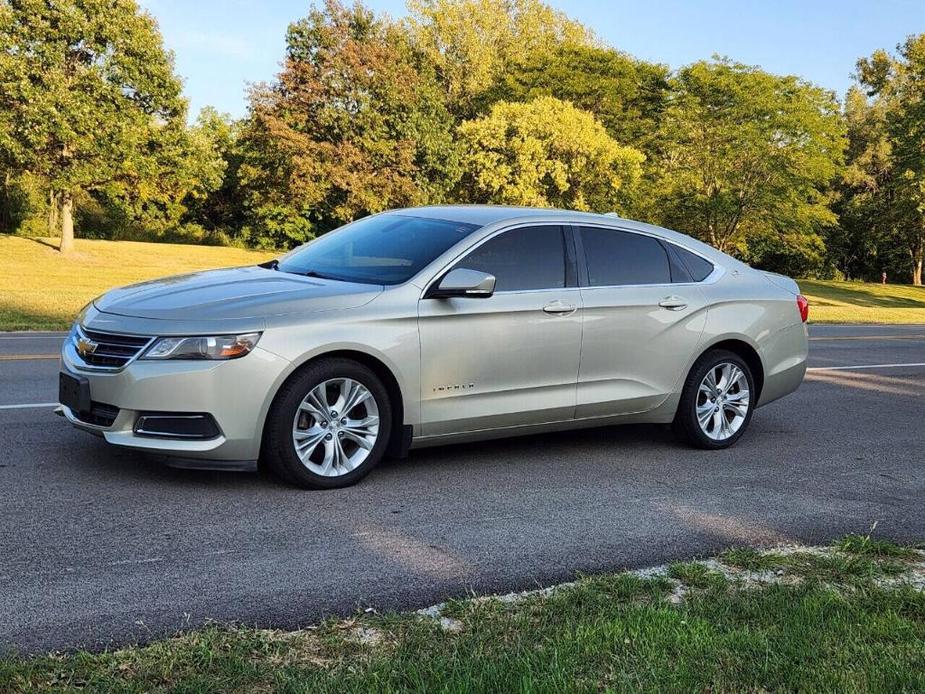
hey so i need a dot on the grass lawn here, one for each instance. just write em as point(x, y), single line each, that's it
point(862, 302)
point(40, 289)
point(846, 618)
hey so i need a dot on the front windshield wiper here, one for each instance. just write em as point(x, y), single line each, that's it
point(321, 276)
point(270, 264)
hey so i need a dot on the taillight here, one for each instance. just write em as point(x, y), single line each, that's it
point(803, 305)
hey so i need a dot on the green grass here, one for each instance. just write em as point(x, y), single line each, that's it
point(838, 627)
point(41, 289)
point(875, 547)
point(695, 575)
point(863, 302)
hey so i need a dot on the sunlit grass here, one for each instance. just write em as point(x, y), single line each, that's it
point(41, 289)
point(863, 302)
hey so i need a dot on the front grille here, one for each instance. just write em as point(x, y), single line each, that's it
point(100, 414)
point(112, 351)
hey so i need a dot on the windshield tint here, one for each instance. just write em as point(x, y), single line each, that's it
point(385, 249)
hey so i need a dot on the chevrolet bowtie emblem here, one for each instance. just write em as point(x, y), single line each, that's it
point(86, 346)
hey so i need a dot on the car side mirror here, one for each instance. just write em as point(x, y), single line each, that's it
point(464, 283)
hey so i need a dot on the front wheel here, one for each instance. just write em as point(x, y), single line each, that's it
point(328, 426)
point(717, 401)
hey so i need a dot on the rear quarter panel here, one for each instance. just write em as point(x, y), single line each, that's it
point(746, 306)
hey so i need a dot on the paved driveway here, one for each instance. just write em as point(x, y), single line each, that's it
point(100, 546)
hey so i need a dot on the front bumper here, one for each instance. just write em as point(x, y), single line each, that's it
point(236, 393)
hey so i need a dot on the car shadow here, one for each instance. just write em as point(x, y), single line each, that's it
point(140, 467)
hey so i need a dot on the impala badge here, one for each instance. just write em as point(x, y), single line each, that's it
point(454, 386)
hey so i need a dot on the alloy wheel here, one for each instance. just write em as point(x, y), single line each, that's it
point(335, 427)
point(722, 401)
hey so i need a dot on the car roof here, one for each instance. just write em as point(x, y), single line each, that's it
point(485, 215)
point(490, 214)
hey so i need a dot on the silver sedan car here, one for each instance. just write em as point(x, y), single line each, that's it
point(434, 325)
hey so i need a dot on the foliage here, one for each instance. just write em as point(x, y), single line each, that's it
point(218, 206)
point(91, 104)
point(473, 43)
point(353, 125)
point(545, 153)
point(626, 95)
point(888, 183)
point(748, 153)
point(464, 101)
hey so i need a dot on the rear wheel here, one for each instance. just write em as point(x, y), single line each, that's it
point(717, 401)
point(329, 425)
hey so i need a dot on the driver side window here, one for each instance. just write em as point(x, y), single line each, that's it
point(522, 259)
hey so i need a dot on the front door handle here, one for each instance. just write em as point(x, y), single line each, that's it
point(673, 303)
point(558, 307)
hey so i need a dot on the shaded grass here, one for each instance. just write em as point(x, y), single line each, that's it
point(41, 289)
point(863, 302)
point(612, 632)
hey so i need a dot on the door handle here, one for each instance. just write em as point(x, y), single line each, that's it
point(558, 307)
point(673, 303)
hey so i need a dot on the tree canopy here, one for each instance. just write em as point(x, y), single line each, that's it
point(473, 43)
point(500, 101)
point(545, 153)
point(353, 125)
point(90, 100)
point(747, 153)
point(887, 177)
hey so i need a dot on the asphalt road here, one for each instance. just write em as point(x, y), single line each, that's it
point(101, 547)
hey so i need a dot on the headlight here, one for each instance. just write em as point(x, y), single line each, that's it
point(218, 347)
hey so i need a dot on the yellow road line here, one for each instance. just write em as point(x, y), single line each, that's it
point(26, 357)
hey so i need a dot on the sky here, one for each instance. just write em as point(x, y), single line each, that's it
point(221, 46)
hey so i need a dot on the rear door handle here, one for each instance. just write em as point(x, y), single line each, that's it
point(559, 307)
point(673, 303)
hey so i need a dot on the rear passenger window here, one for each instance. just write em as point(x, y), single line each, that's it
point(699, 268)
point(620, 257)
point(522, 259)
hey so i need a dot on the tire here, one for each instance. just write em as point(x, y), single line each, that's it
point(715, 433)
point(330, 454)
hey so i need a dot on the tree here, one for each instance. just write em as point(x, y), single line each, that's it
point(473, 43)
point(748, 153)
point(218, 208)
point(88, 95)
point(354, 124)
point(626, 95)
point(897, 137)
point(858, 245)
point(545, 153)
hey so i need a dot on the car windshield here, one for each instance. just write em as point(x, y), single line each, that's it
point(383, 249)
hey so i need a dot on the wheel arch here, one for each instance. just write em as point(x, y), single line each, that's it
point(399, 437)
point(747, 353)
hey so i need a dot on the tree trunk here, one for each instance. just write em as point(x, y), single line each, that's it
point(67, 222)
point(917, 254)
point(53, 228)
point(5, 212)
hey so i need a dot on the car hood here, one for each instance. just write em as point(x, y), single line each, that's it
point(234, 293)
